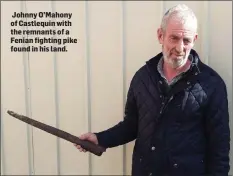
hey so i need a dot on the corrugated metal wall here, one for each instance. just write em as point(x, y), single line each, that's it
point(84, 89)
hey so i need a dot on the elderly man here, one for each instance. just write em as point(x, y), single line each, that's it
point(176, 109)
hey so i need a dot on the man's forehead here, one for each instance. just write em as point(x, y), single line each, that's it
point(182, 32)
point(175, 26)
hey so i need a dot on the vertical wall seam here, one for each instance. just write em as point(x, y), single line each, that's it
point(164, 8)
point(124, 73)
point(205, 32)
point(89, 115)
point(230, 121)
point(2, 145)
point(26, 66)
point(3, 156)
point(56, 96)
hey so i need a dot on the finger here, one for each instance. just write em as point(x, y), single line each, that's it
point(84, 136)
point(79, 147)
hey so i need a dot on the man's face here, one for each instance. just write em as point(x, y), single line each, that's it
point(177, 41)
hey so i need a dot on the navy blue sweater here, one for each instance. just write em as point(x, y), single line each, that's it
point(182, 132)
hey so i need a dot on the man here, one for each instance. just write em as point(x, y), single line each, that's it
point(176, 109)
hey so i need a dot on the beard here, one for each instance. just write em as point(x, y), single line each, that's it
point(175, 62)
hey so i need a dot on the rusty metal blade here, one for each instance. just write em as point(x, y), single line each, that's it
point(89, 146)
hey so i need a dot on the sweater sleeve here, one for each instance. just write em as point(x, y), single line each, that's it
point(218, 132)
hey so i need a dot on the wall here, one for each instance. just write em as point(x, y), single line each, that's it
point(84, 89)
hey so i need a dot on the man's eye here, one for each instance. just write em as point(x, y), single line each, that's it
point(187, 41)
point(174, 38)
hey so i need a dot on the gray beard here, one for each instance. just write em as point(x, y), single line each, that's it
point(175, 63)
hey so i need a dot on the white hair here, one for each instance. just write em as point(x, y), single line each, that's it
point(180, 12)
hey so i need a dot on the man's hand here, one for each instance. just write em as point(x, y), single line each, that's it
point(89, 137)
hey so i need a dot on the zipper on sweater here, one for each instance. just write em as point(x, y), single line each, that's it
point(165, 103)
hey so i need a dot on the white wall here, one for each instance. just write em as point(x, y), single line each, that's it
point(85, 89)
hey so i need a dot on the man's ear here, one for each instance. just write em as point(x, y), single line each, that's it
point(195, 38)
point(160, 35)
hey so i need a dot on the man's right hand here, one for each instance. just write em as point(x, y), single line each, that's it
point(89, 137)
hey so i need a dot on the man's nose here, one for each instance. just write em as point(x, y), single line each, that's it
point(180, 47)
